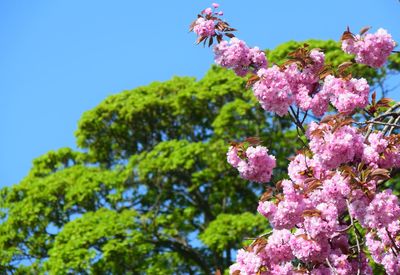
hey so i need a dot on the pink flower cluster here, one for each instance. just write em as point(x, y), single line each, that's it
point(377, 213)
point(273, 91)
point(381, 244)
point(334, 147)
point(255, 164)
point(238, 56)
point(204, 27)
point(314, 208)
point(379, 152)
point(372, 49)
point(313, 201)
point(279, 88)
point(346, 95)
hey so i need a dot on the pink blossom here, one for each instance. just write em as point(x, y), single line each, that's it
point(340, 263)
point(320, 103)
point(204, 27)
point(333, 148)
point(375, 247)
point(238, 56)
point(248, 263)
point(308, 250)
point(278, 248)
point(273, 91)
point(391, 263)
point(346, 95)
point(207, 11)
point(323, 224)
point(333, 190)
point(215, 5)
point(372, 49)
point(279, 269)
point(383, 210)
point(285, 215)
point(299, 167)
point(257, 165)
point(304, 83)
point(376, 145)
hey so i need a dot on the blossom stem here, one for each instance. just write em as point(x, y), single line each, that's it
point(357, 241)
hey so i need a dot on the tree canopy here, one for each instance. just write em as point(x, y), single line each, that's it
point(150, 191)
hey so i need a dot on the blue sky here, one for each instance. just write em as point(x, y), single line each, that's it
point(61, 58)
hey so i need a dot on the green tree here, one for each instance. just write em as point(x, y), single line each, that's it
point(150, 192)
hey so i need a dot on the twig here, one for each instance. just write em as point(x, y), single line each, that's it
point(379, 122)
point(393, 242)
point(304, 117)
point(357, 241)
point(331, 267)
point(296, 120)
point(395, 125)
point(345, 229)
point(389, 112)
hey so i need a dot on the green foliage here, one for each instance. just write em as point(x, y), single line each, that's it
point(229, 230)
point(99, 242)
point(150, 192)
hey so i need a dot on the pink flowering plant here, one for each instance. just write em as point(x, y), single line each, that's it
point(333, 214)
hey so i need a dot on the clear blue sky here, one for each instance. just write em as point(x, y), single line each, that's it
point(61, 58)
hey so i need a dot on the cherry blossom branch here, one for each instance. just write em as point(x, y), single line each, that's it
point(296, 120)
point(339, 161)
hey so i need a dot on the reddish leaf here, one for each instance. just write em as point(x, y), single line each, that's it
point(373, 97)
point(200, 39)
point(266, 195)
point(211, 41)
point(312, 213)
point(253, 79)
point(253, 140)
point(364, 30)
point(345, 65)
point(384, 102)
point(347, 35)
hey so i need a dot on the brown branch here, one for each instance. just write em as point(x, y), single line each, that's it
point(296, 120)
point(357, 241)
point(390, 112)
point(378, 122)
point(395, 125)
point(393, 242)
point(331, 267)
